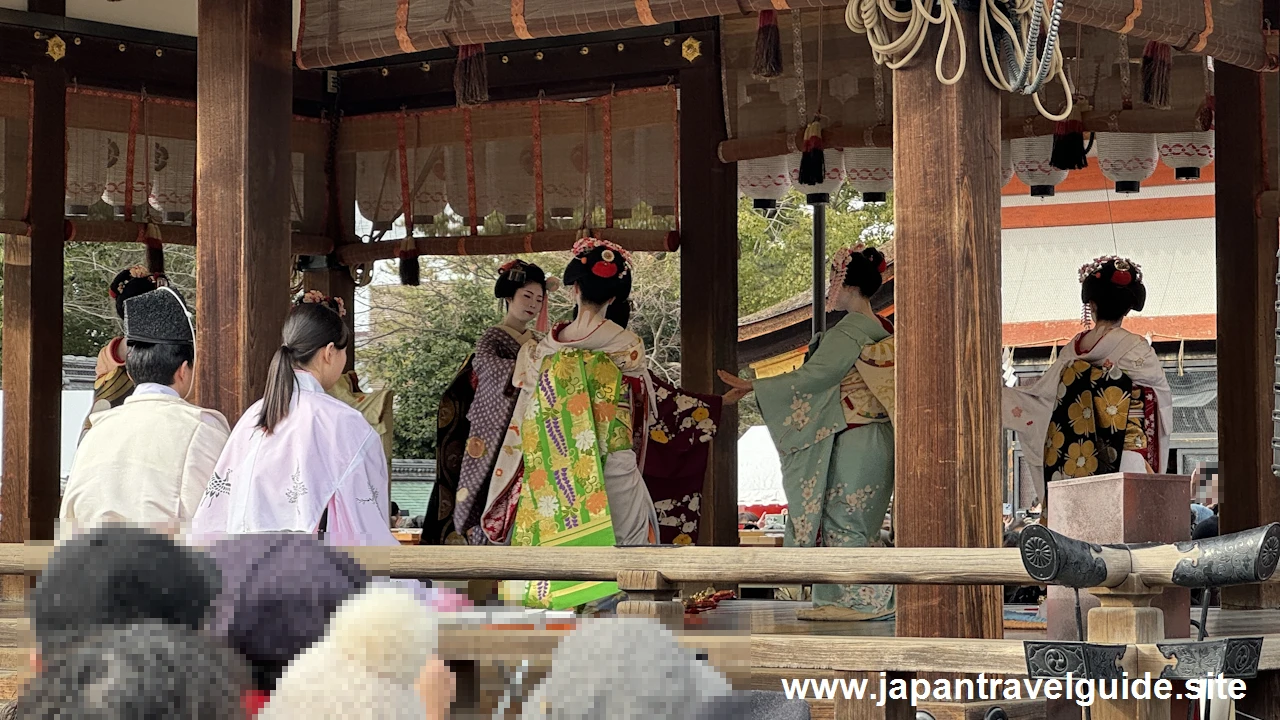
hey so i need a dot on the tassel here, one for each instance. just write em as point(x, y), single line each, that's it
point(813, 167)
point(1157, 75)
point(155, 259)
point(1205, 115)
point(768, 58)
point(410, 272)
point(471, 76)
point(1069, 150)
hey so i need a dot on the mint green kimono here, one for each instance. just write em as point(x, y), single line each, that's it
point(838, 479)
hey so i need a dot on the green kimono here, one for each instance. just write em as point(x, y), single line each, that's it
point(831, 420)
point(579, 416)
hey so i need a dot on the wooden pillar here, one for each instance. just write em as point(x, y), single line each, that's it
point(709, 274)
point(1246, 262)
point(1246, 138)
point(338, 184)
point(947, 215)
point(29, 494)
point(244, 90)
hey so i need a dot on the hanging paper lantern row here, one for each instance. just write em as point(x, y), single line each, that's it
point(765, 180)
point(870, 172)
point(1186, 152)
point(1032, 162)
point(1127, 159)
point(1006, 163)
point(832, 180)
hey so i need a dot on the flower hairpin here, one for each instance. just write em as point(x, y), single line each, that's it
point(137, 272)
point(315, 297)
point(1126, 270)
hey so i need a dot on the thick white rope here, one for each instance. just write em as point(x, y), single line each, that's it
point(872, 18)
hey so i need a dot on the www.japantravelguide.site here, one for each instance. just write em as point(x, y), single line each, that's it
point(1083, 691)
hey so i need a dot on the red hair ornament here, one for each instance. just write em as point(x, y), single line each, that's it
point(604, 269)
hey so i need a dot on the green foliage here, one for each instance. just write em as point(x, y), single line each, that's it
point(776, 253)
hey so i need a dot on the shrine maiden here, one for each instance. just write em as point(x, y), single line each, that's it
point(1104, 406)
point(111, 383)
point(476, 409)
point(148, 460)
point(581, 482)
point(832, 421)
point(299, 454)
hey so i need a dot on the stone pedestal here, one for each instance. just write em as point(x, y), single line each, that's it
point(1119, 508)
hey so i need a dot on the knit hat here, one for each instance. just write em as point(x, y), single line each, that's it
point(279, 591)
point(367, 665)
point(115, 575)
point(624, 669)
point(158, 317)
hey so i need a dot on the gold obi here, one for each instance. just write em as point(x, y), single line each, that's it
point(860, 405)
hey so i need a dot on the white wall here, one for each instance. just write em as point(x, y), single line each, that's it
point(75, 408)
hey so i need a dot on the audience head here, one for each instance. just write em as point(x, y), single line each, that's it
point(378, 652)
point(632, 668)
point(280, 591)
point(138, 672)
point(865, 271)
point(315, 339)
point(116, 575)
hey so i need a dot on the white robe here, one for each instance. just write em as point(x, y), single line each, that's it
point(1026, 410)
point(324, 454)
point(146, 462)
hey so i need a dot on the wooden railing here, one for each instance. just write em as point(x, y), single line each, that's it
point(650, 575)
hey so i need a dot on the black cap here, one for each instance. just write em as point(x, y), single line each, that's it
point(158, 317)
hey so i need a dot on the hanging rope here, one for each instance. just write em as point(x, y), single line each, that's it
point(1008, 38)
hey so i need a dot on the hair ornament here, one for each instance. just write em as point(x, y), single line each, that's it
point(315, 297)
point(554, 284)
point(138, 271)
point(604, 269)
point(1126, 271)
point(587, 244)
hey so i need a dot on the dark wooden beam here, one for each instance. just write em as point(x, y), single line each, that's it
point(29, 494)
point(242, 219)
point(948, 437)
point(709, 276)
point(1246, 262)
point(47, 7)
point(162, 63)
point(562, 70)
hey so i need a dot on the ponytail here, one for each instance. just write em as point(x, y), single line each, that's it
point(280, 385)
point(309, 328)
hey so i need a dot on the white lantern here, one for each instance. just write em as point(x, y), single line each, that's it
point(870, 172)
point(832, 180)
point(1127, 159)
point(1186, 152)
point(1032, 162)
point(765, 180)
point(173, 178)
point(1006, 163)
point(86, 169)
